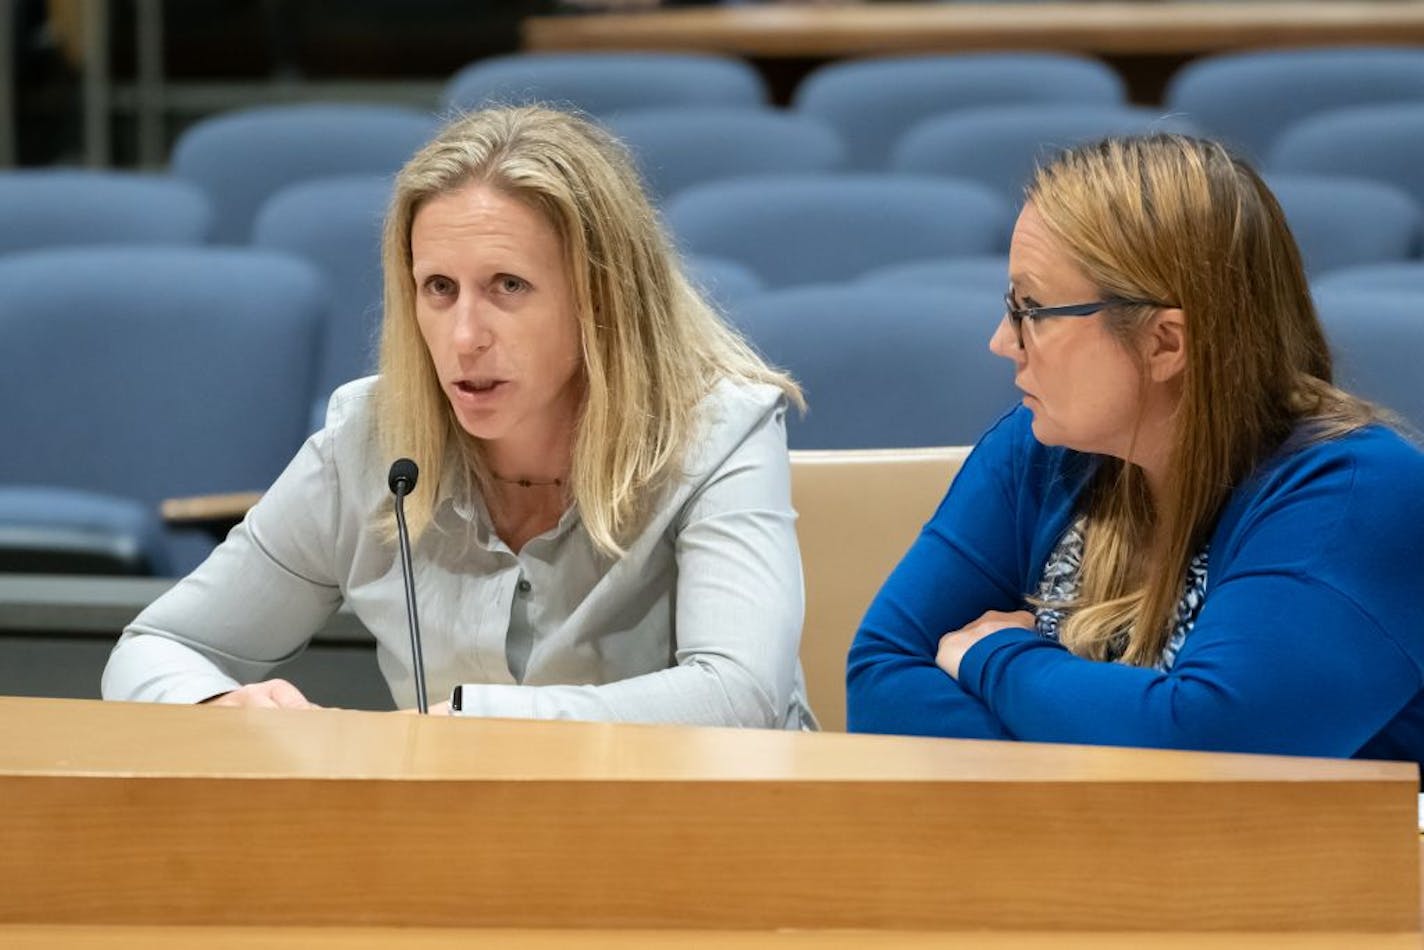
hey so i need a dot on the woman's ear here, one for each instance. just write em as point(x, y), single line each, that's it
point(1167, 345)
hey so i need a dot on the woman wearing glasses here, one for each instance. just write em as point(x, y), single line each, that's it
point(1186, 536)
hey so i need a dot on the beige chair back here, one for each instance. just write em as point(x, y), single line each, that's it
point(859, 512)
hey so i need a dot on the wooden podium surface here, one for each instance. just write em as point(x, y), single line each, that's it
point(125, 821)
point(21, 937)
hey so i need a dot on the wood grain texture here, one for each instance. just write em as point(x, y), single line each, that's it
point(63, 738)
point(59, 937)
point(1102, 28)
point(142, 815)
point(204, 509)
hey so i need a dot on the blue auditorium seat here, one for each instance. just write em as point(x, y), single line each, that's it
point(1000, 147)
point(987, 272)
point(1341, 222)
point(136, 374)
point(1377, 337)
point(603, 83)
point(679, 147)
point(724, 282)
point(799, 229)
point(240, 159)
point(1401, 276)
point(45, 530)
point(885, 367)
point(335, 224)
point(54, 208)
point(873, 102)
point(1383, 143)
point(1248, 99)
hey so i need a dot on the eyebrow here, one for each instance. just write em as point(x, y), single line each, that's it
point(1022, 279)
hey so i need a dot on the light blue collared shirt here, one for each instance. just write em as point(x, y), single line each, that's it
point(698, 623)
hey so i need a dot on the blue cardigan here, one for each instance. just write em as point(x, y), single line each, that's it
point(1310, 640)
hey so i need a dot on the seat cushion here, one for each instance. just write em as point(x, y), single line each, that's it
point(67, 531)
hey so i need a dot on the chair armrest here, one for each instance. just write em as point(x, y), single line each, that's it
point(215, 513)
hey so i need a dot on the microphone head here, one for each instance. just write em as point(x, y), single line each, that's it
point(402, 477)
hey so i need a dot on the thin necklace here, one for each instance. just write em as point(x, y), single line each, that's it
point(529, 482)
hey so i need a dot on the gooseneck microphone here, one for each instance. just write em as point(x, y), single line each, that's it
point(402, 481)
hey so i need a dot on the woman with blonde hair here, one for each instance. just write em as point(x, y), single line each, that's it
point(602, 524)
point(1186, 536)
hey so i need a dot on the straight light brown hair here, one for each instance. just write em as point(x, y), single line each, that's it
point(1180, 219)
point(652, 347)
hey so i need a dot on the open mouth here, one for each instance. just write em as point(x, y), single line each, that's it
point(478, 387)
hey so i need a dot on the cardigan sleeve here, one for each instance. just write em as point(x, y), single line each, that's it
point(1301, 647)
point(966, 560)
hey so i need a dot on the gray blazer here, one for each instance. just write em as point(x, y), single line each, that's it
point(698, 623)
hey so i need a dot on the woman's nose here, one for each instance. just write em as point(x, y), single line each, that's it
point(1005, 342)
point(471, 332)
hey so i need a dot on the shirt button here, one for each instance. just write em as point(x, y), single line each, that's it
point(524, 586)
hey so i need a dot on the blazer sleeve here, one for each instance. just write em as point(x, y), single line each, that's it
point(253, 604)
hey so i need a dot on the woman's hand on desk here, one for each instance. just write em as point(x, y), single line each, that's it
point(269, 694)
point(953, 645)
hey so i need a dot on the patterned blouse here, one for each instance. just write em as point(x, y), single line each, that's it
point(1060, 584)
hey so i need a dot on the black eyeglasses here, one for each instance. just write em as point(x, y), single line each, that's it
point(1017, 315)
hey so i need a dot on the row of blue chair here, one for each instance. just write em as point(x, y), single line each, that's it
point(1247, 98)
point(807, 229)
point(242, 160)
point(333, 224)
point(754, 233)
point(154, 372)
point(856, 115)
point(908, 365)
point(760, 233)
point(1339, 221)
point(995, 146)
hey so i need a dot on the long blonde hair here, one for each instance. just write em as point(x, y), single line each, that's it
point(1174, 218)
point(652, 347)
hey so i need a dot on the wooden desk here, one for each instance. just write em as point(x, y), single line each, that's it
point(1146, 41)
point(431, 938)
point(135, 816)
